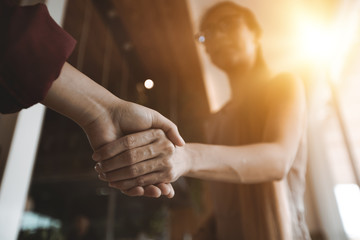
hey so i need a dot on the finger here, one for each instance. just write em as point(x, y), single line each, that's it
point(152, 191)
point(149, 179)
point(102, 177)
point(136, 170)
point(134, 192)
point(136, 156)
point(172, 193)
point(170, 129)
point(165, 188)
point(138, 161)
point(147, 191)
point(125, 143)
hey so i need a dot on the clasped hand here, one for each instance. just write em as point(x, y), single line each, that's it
point(139, 160)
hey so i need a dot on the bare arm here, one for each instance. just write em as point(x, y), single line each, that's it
point(103, 116)
point(76, 96)
point(270, 159)
point(267, 160)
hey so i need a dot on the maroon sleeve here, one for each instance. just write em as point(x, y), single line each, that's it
point(33, 49)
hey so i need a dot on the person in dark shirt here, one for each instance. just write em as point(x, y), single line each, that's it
point(33, 69)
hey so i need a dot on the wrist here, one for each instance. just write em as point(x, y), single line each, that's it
point(98, 107)
point(76, 96)
point(102, 125)
point(186, 157)
point(192, 157)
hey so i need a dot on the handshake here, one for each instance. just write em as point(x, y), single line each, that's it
point(140, 164)
point(136, 150)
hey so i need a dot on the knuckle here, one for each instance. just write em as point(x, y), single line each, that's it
point(140, 181)
point(150, 168)
point(171, 175)
point(104, 166)
point(139, 155)
point(161, 133)
point(133, 171)
point(170, 148)
point(131, 157)
point(129, 141)
point(168, 164)
point(126, 157)
point(157, 133)
point(154, 133)
point(149, 152)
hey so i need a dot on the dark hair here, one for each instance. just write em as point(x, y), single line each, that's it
point(242, 12)
point(251, 22)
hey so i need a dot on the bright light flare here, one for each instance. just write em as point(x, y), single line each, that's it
point(317, 41)
point(149, 84)
point(328, 43)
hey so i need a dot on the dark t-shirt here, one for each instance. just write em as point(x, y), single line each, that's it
point(33, 49)
point(255, 211)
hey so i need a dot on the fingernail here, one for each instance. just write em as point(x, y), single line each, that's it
point(99, 167)
point(102, 175)
point(96, 157)
point(183, 141)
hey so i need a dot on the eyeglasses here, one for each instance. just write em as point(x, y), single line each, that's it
point(224, 26)
point(200, 37)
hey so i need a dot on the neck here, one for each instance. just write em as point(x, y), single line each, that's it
point(243, 79)
point(240, 73)
point(240, 78)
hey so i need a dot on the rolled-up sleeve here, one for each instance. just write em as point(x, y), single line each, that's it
point(33, 49)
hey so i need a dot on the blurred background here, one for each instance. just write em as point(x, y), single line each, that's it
point(145, 51)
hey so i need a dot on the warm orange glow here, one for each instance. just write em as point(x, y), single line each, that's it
point(327, 43)
point(316, 41)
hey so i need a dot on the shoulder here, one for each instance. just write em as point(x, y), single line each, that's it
point(285, 81)
point(285, 84)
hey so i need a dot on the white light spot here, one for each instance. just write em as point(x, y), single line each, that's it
point(149, 84)
point(348, 199)
point(201, 39)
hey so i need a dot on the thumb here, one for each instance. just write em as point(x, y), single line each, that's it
point(170, 129)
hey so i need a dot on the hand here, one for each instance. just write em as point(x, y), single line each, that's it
point(141, 159)
point(103, 116)
point(125, 117)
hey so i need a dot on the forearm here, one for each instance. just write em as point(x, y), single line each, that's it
point(105, 118)
point(149, 157)
point(76, 96)
point(238, 164)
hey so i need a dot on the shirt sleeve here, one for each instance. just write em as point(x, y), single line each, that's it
point(33, 49)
